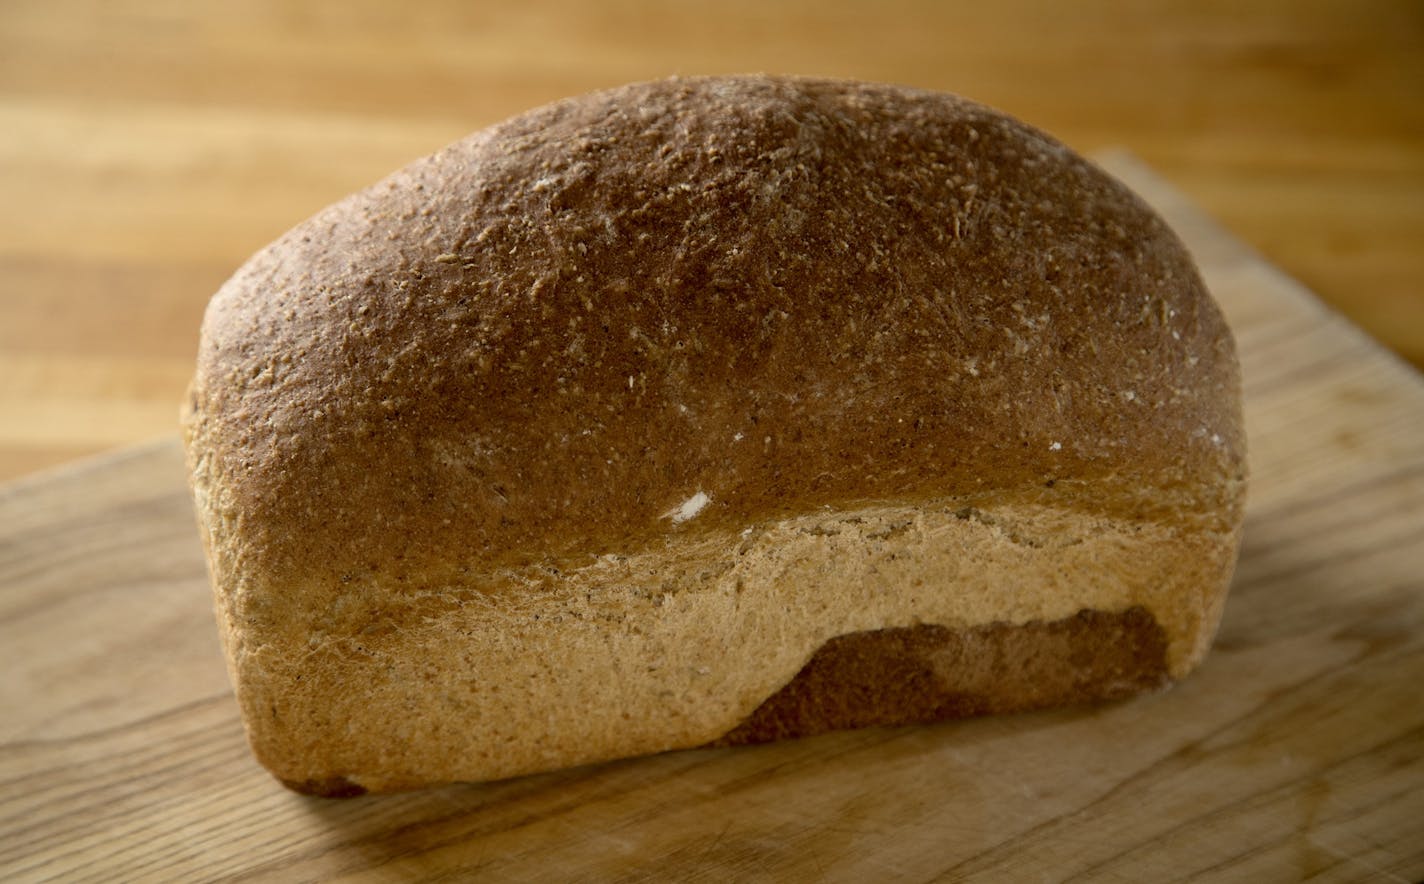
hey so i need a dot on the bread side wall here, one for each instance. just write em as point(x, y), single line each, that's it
point(674, 648)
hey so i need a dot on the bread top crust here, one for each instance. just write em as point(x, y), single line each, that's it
point(695, 304)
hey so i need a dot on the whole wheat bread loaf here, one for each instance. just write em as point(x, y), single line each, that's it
point(708, 411)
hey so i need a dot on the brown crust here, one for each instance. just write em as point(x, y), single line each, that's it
point(927, 673)
point(535, 343)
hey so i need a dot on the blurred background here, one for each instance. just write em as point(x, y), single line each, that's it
point(147, 148)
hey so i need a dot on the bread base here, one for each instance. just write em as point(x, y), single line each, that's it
point(874, 615)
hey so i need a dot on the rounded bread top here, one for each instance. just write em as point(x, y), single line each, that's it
point(697, 304)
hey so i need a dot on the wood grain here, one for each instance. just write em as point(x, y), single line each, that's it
point(149, 146)
point(1296, 751)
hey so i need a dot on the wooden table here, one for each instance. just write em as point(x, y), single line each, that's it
point(146, 148)
point(1297, 750)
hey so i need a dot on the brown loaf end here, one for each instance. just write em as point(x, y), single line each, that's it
point(708, 410)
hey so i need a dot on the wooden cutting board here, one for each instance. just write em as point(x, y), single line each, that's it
point(1296, 750)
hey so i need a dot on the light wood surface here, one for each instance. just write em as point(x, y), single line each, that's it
point(147, 148)
point(1297, 750)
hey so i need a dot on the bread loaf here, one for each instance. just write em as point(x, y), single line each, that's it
point(708, 411)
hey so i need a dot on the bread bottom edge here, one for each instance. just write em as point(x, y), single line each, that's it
point(917, 675)
point(832, 620)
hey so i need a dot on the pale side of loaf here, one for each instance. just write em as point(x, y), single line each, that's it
point(708, 411)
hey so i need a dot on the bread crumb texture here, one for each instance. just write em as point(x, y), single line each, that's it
point(579, 438)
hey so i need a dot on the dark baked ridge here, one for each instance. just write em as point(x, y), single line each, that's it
point(926, 673)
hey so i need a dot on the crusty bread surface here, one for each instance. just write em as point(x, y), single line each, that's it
point(708, 411)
